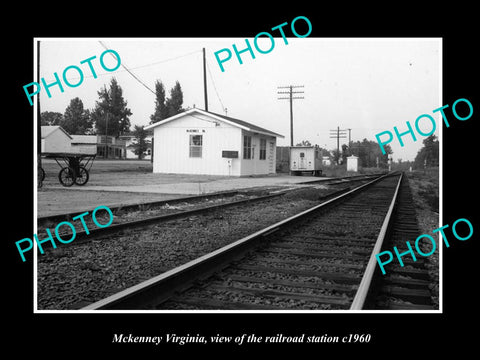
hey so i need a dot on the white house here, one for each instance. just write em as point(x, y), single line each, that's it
point(55, 140)
point(201, 142)
point(130, 140)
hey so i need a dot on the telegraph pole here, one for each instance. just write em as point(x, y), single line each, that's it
point(291, 98)
point(339, 134)
point(106, 136)
point(205, 81)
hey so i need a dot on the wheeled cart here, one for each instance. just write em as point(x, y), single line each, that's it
point(74, 168)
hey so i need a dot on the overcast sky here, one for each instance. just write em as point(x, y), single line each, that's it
point(367, 85)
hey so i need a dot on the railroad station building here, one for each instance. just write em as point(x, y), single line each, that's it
point(201, 142)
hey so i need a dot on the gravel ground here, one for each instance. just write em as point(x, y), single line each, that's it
point(425, 193)
point(72, 276)
point(122, 215)
point(345, 240)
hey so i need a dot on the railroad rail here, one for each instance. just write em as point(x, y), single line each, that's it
point(82, 235)
point(260, 191)
point(140, 206)
point(320, 258)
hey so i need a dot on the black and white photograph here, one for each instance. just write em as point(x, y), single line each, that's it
point(252, 188)
point(269, 183)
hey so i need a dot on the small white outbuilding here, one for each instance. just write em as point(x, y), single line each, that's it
point(352, 163)
point(201, 142)
point(55, 140)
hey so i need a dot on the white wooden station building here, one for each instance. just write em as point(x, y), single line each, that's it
point(201, 142)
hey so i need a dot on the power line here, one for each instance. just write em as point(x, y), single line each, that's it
point(166, 60)
point(136, 67)
point(125, 67)
point(213, 82)
point(291, 98)
point(338, 134)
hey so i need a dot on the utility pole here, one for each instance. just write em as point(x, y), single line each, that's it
point(339, 134)
point(205, 80)
point(106, 136)
point(291, 98)
point(39, 126)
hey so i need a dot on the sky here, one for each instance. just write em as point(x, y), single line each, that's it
point(368, 85)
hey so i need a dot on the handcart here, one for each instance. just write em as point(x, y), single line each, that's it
point(74, 168)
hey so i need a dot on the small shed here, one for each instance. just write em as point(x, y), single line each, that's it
point(202, 142)
point(352, 163)
point(84, 144)
point(55, 140)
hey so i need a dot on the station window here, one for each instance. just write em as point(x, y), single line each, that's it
point(247, 147)
point(263, 149)
point(196, 143)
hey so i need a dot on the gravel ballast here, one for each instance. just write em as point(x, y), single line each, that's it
point(75, 275)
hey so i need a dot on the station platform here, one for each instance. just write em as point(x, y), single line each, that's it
point(124, 188)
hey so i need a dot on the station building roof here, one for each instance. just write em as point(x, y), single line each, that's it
point(232, 121)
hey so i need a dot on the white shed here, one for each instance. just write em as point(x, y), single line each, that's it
point(55, 140)
point(201, 142)
point(352, 163)
point(84, 144)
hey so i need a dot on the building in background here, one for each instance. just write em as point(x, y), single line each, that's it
point(111, 147)
point(56, 140)
point(84, 144)
point(130, 140)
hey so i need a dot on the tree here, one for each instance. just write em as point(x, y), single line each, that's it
point(368, 152)
point(50, 118)
point(141, 144)
point(428, 155)
point(111, 115)
point(345, 153)
point(160, 107)
point(76, 120)
point(304, 143)
point(175, 101)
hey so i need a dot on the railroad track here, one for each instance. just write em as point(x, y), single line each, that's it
point(175, 208)
point(82, 235)
point(402, 288)
point(322, 258)
point(199, 199)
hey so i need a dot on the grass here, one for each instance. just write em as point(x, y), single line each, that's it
point(425, 186)
point(425, 193)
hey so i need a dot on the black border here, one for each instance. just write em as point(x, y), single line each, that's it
point(85, 334)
